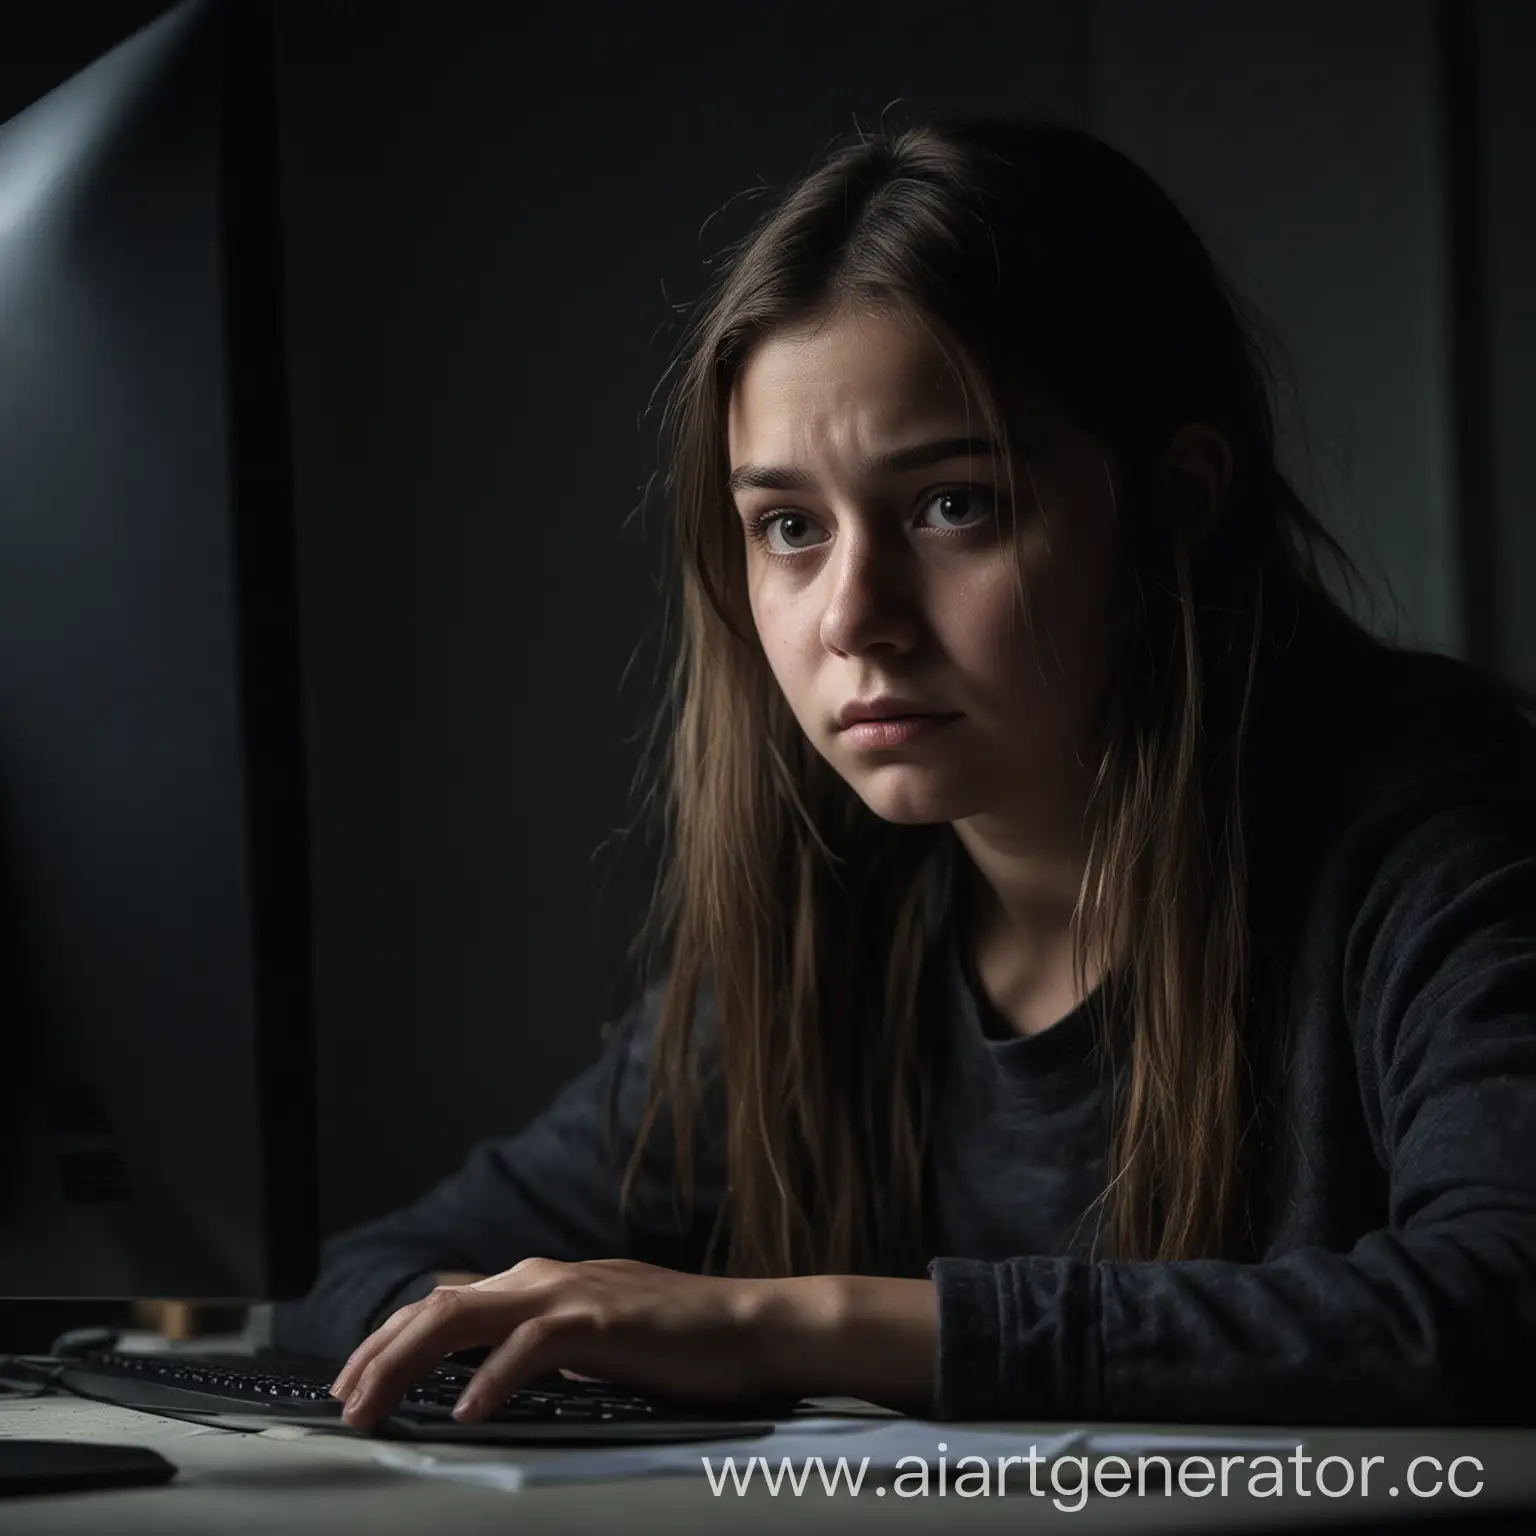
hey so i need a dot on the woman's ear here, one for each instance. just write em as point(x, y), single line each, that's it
point(1194, 474)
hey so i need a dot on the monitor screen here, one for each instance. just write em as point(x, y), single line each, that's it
point(158, 1135)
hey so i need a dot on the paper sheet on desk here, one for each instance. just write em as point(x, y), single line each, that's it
point(895, 1446)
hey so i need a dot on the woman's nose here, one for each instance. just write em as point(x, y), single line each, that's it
point(870, 601)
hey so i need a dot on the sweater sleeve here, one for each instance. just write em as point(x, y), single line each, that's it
point(1429, 1319)
point(550, 1191)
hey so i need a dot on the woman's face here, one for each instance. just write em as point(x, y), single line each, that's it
point(872, 580)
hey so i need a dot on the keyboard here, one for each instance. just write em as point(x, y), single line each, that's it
point(256, 1391)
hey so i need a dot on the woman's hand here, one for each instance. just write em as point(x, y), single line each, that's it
point(694, 1338)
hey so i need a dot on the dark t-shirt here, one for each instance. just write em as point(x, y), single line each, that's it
point(1392, 813)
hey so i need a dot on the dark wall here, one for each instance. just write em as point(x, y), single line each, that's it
point(1503, 48)
point(1307, 141)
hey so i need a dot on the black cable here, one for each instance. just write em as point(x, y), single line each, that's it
point(43, 1379)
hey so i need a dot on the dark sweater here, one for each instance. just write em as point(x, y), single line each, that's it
point(1393, 831)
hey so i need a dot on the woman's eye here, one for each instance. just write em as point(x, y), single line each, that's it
point(790, 526)
point(965, 497)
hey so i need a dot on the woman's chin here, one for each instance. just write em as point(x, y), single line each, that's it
point(907, 808)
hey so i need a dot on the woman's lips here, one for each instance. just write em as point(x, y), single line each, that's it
point(895, 730)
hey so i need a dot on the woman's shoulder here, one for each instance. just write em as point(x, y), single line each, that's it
point(1380, 723)
point(1383, 781)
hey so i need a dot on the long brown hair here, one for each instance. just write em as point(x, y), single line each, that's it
point(799, 921)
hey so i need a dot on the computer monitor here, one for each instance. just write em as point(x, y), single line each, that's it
point(157, 1135)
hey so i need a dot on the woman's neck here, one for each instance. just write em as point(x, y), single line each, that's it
point(1022, 958)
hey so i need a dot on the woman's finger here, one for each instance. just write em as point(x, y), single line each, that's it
point(448, 1320)
point(531, 1349)
point(389, 1329)
point(347, 1378)
point(429, 1331)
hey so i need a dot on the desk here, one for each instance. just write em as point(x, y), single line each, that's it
point(240, 1484)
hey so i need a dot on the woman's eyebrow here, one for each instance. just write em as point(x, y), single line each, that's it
point(767, 477)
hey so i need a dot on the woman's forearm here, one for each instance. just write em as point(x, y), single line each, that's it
point(861, 1336)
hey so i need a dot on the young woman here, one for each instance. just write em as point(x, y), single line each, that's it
point(1141, 1023)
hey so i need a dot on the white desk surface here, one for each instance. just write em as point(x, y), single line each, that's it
point(236, 1483)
